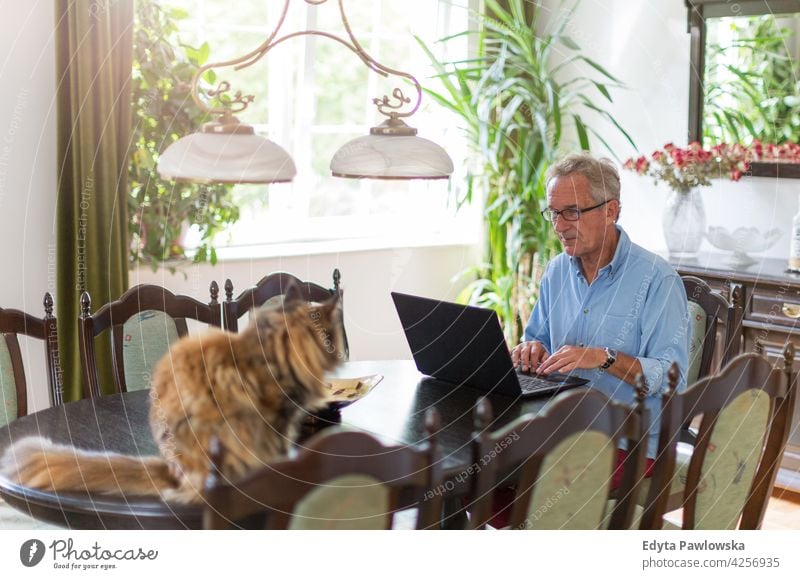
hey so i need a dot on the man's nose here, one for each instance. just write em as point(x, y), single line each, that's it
point(560, 224)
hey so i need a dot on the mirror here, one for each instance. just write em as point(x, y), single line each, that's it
point(745, 75)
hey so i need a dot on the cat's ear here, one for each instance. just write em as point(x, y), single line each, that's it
point(293, 294)
point(333, 304)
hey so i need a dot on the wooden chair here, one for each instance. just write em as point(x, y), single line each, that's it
point(339, 480)
point(270, 287)
point(13, 385)
point(143, 322)
point(708, 312)
point(746, 414)
point(563, 460)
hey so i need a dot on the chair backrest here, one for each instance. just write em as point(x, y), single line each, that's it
point(746, 413)
point(143, 323)
point(13, 384)
point(707, 311)
point(273, 287)
point(563, 461)
point(339, 480)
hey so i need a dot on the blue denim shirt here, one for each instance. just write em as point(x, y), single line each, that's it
point(636, 305)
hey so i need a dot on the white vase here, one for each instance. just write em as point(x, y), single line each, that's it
point(684, 223)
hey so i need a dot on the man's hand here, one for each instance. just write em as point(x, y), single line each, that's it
point(568, 358)
point(529, 355)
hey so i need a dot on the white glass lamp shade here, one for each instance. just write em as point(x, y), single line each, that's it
point(226, 158)
point(391, 157)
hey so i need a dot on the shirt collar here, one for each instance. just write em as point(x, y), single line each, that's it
point(623, 246)
point(620, 253)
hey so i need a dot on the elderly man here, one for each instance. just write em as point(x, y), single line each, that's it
point(608, 309)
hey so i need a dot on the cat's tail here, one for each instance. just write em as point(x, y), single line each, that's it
point(39, 463)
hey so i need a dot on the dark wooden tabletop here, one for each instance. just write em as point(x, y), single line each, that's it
point(394, 411)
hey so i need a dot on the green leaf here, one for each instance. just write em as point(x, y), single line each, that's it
point(583, 138)
point(603, 90)
point(569, 43)
point(599, 68)
point(210, 77)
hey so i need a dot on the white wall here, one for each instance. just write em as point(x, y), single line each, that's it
point(645, 44)
point(27, 168)
point(373, 330)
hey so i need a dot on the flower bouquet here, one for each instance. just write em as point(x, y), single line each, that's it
point(684, 169)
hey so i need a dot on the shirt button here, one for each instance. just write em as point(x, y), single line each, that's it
point(586, 310)
point(580, 345)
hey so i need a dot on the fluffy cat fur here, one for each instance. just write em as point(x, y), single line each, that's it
point(250, 390)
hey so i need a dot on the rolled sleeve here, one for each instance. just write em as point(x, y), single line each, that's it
point(665, 339)
point(655, 374)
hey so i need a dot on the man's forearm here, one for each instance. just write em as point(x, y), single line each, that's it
point(626, 368)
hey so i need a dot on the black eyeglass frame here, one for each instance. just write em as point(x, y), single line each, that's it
point(550, 215)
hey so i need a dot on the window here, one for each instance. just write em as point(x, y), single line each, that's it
point(313, 95)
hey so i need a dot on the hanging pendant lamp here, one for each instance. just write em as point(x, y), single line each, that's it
point(227, 151)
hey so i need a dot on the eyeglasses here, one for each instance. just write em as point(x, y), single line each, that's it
point(571, 214)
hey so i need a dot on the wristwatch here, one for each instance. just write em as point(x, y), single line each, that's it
point(611, 357)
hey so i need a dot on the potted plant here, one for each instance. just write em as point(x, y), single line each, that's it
point(163, 110)
point(518, 100)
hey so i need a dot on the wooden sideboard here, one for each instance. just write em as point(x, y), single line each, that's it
point(771, 317)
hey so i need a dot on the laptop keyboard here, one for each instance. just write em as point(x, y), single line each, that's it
point(529, 383)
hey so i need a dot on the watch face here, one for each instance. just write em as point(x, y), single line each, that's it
point(612, 353)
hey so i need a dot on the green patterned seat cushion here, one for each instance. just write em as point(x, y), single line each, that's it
point(697, 335)
point(683, 456)
point(734, 452)
point(8, 386)
point(730, 463)
point(146, 337)
point(572, 488)
point(347, 502)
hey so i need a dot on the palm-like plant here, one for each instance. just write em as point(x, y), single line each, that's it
point(518, 99)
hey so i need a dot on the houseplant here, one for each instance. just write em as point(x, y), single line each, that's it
point(163, 110)
point(684, 171)
point(750, 81)
point(520, 100)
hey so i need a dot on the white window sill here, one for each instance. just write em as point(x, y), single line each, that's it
point(352, 245)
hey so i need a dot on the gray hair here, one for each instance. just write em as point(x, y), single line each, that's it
point(601, 173)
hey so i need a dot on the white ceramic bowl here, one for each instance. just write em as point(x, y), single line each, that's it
point(742, 241)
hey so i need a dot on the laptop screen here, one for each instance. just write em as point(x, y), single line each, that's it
point(457, 343)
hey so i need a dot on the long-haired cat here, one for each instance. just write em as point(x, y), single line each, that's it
point(250, 390)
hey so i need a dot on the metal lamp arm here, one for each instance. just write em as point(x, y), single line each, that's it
point(240, 102)
point(366, 57)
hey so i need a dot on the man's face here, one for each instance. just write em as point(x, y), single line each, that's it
point(586, 235)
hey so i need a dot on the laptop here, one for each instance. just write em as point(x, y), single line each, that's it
point(464, 345)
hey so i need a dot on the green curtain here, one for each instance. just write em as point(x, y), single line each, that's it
point(94, 50)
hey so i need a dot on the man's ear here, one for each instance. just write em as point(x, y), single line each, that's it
point(614, 207)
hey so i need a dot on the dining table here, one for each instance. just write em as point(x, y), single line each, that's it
point(393, 411)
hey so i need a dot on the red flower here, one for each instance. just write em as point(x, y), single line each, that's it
point(683, 169)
